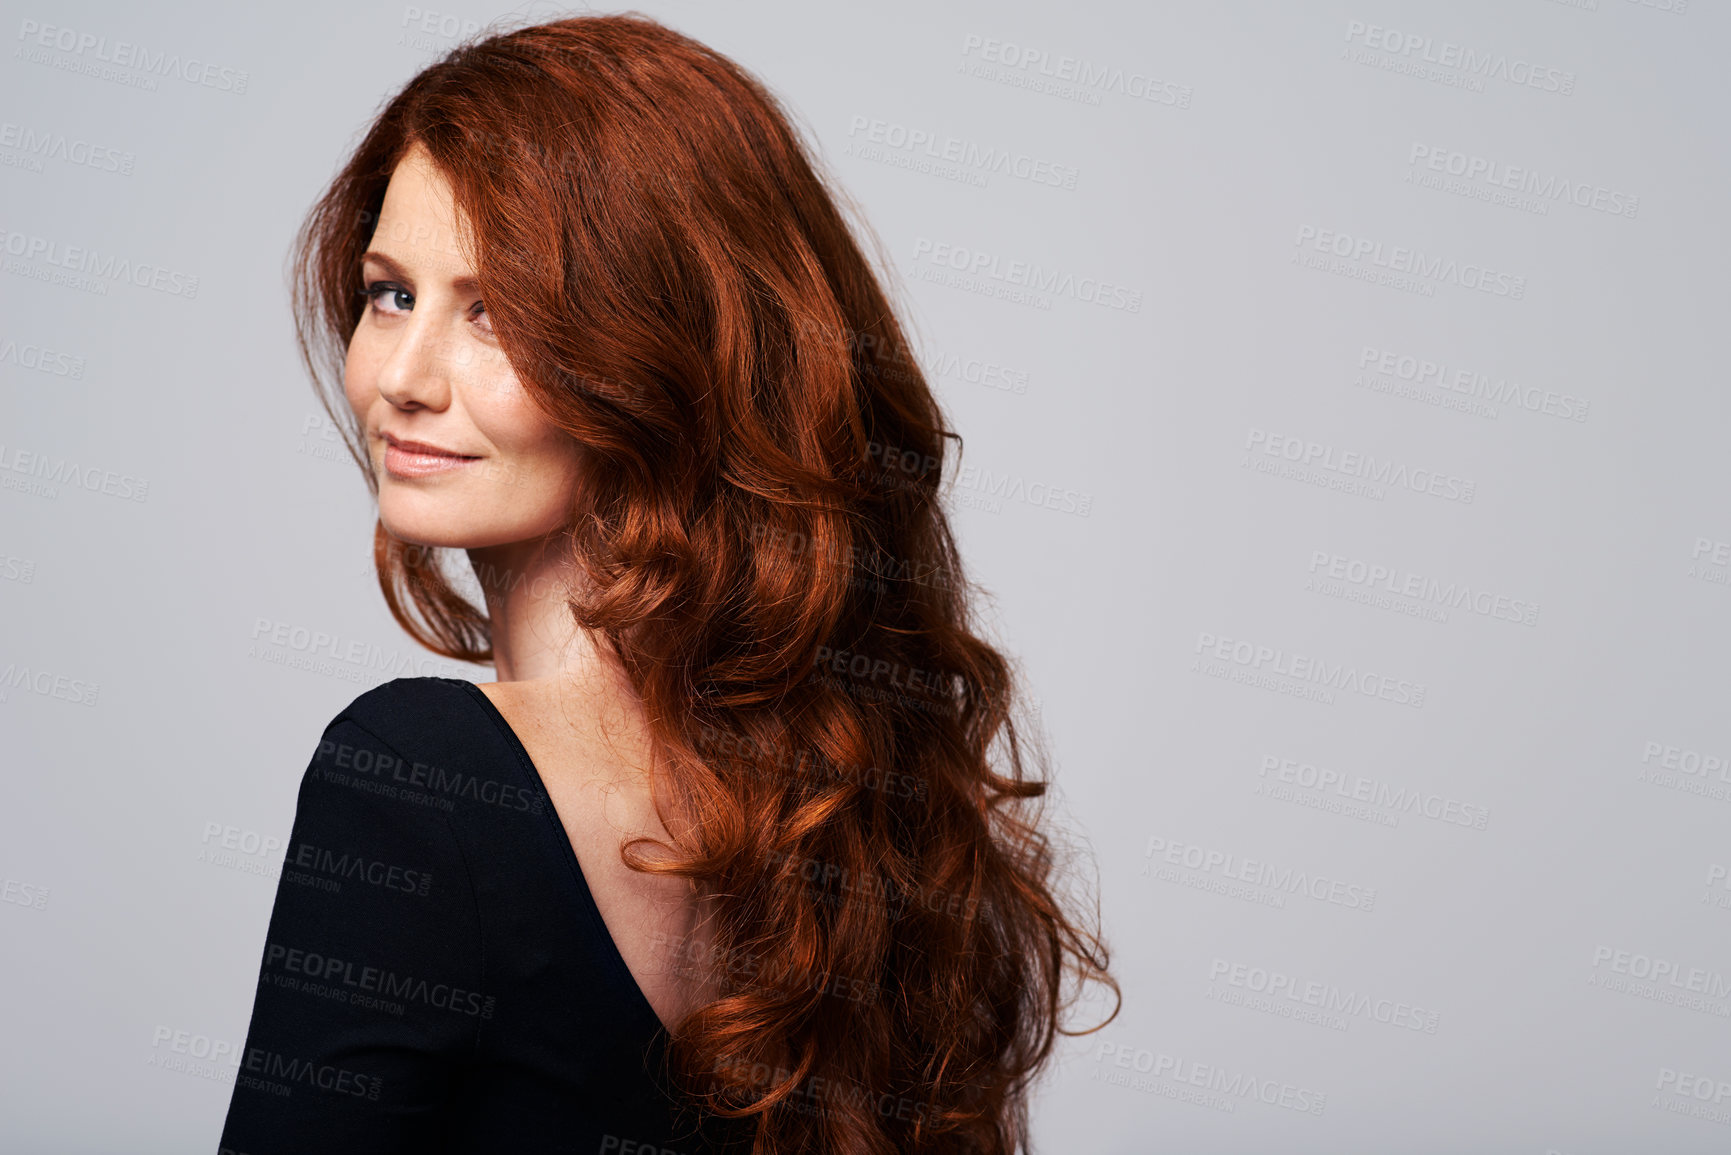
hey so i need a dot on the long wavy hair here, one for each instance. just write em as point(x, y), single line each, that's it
point(760, 528)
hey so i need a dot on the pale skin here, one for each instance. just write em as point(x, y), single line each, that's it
point(424, 367)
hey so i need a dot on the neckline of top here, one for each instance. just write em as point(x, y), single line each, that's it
point(590, 910)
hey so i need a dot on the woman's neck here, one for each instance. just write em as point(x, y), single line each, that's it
point(556, 671)
point(526, 585)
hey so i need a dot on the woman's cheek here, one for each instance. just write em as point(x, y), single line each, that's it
point(359, 372)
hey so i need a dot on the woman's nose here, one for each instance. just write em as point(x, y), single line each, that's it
point(416, 375)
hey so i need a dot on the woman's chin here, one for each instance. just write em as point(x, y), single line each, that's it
point(428, 529)
point(419, 529)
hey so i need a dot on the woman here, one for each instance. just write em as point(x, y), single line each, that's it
point(738, 852)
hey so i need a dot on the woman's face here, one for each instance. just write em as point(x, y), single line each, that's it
point(463, 456)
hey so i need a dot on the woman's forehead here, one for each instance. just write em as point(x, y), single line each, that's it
point(419, 227)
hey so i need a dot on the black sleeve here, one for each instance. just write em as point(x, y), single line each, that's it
point(371, 992)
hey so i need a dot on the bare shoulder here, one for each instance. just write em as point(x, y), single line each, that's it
point(576, 731)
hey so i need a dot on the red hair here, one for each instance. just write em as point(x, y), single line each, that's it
point(767, 557)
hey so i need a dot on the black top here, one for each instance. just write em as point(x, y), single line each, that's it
point(436, 975)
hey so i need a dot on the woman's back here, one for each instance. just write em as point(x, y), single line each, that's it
point(437, 972)
point(590, 745)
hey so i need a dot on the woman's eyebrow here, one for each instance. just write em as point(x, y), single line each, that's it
point(392, 269)
point(465, 284)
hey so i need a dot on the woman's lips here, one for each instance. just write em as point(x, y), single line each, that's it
point(407, 459)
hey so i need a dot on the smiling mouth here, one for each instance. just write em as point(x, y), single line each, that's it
point(406, 459)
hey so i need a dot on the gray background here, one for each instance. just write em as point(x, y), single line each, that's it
point(136, 816)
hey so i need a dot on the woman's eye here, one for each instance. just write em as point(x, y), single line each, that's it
point(396, 297)
point(479, 314)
